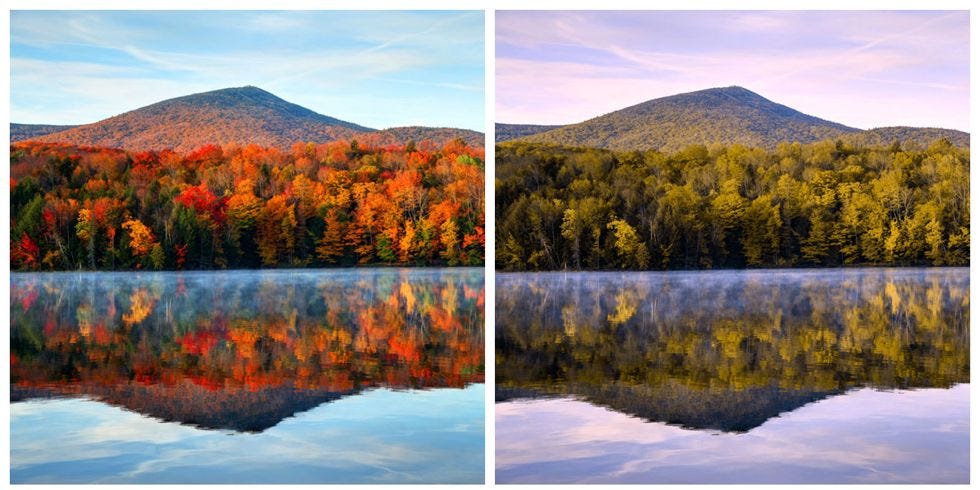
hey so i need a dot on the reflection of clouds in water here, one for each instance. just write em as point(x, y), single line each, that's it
point(570, 430)
point(71, 430)
point(865, 436)
point(379, 436)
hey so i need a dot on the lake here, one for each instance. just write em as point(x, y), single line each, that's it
point(286, 376)
point(765, 376)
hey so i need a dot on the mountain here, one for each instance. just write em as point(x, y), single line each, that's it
point(673, 403)
point(506, 132)
point(718, 115)
point(727, 116)
point(234, 115)
point(21, 132)
point(418, 134)
point(241, 115)
point(220, 408)
point(921, 136)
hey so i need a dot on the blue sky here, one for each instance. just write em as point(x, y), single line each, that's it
point(374, 68)
point(861, 68)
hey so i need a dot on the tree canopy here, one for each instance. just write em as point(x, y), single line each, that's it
point(822, 204)
point(339, 203)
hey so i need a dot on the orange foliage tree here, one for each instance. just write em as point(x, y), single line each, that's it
point(339, 203)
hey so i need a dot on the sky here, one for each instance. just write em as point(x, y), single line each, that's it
point(374, 68)
point(860, 68)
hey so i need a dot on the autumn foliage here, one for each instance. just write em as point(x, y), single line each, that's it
point(334, 204)
point(385, 330)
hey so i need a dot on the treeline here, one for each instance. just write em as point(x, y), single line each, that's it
point(822, 204)
point(332, 204)
point(393, 332)
point(719, 333)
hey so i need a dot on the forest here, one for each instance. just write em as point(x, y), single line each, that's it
point(823, 204)
point(335, 204)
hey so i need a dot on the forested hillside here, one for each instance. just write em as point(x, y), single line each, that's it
point(923, 136)
point(821, 204)
point(339, 203)
point(399, 135)
point(21, 132)
point(241, 115)
point(507, 132)
point(729, 115)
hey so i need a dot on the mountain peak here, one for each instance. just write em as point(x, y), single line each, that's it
point(244, 91)
point(737, 89)
point(730, 90)
point(738, 92)
point(248, 94)
point(719, 95)
point(248, 87)
point(243, 88)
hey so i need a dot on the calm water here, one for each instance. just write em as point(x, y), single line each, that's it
point(832, 376)
point(225, 377)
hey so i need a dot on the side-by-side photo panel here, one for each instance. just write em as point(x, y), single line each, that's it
point(247, 247)
point(732, 247)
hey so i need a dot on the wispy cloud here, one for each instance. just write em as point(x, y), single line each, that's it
point(300, 56)
point(436, 25)
point(560, 67)
point(277, 23)
point(757, 22)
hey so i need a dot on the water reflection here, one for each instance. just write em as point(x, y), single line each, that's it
point(381, 436)
point(242, 350)
point(728, 350)
point(865, 436)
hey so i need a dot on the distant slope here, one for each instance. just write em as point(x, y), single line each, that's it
point(674, 403)
point(419, 134)
point(21, 132)
point(507, 132)
point(235, 115)
point(240, 410)
point(902, 134)
point(719, 115)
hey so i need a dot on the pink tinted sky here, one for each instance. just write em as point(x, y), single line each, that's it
point(861, 68)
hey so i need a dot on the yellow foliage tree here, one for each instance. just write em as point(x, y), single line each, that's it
point(141, 239)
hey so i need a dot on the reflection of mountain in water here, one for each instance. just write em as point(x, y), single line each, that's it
point(191, 404)
point(673, 403)
point(242, 351)
point(728, 351)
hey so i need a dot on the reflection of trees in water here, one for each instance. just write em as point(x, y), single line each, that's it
point(665, 340)
point(248, 332)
